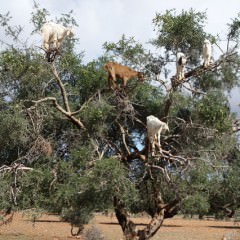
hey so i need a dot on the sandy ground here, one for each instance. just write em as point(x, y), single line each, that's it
point(50, 227)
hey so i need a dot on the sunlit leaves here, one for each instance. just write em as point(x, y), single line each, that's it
point(183, 31)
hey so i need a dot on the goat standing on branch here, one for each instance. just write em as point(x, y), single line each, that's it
point(53, 35)
point(154, 129)
point(207, 53)
point(124, 73)
point(180, 65)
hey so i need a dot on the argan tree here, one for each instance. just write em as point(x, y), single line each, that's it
point(72, 146)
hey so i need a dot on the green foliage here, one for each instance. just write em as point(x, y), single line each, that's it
point(95, 191)
point(195, 204)
point(96, 114)
point(23, 75)
point(14, 135)
point(207, 82)
point(90, 78)
point(213, 111)
point(181, 32)
point(230, 74)
point(129, 50)
point(109, 175)
point(181, 101)
point(148, 95)
point(81, 155)
point(5, 193)
point(234, 29)
point(35, 184)
point(227, 78)
point(39, 16)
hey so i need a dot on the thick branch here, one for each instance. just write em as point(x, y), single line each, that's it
point(168, 104)
point(68, 114)
point(157, 218)
point(128, 227)
point(200, 70)
point(135, 155)
point(194, 73)
point(124, 137)
point(14, 168)
point(62, 88)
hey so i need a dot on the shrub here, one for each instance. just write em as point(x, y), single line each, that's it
point(94, 234)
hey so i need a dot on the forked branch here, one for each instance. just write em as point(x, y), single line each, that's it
point(68, 114)
point(66, 111)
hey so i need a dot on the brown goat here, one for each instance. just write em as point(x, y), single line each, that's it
point(124, 73)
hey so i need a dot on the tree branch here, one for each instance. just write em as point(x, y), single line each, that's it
point(62, 88)
point(193, 73)
point(123, 137)
point(201, 69)
point(68, 114)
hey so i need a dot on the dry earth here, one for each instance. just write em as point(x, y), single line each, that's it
point(50, 227)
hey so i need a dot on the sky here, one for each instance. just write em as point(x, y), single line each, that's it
point(106, 20)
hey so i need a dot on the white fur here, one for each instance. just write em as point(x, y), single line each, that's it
point(180, 65)
point(53, 35)
point(154, 129)
point(207, 53)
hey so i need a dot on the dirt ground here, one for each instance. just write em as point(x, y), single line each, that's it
point(50, 227)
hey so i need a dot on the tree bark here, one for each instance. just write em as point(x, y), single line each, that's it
point(160, 212)
point(128, 227)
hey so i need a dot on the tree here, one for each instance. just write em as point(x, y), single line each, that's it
point(74, 147)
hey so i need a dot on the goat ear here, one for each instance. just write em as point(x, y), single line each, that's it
point(70, 31)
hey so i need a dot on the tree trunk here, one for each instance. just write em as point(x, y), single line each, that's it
point(168, 104)
point(130, 230)
point(128, 227)
point(152, 227)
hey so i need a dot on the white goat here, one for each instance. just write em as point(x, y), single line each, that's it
point(154, 129)
point(180, 65)
point(53, 35)
point(207, 53)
